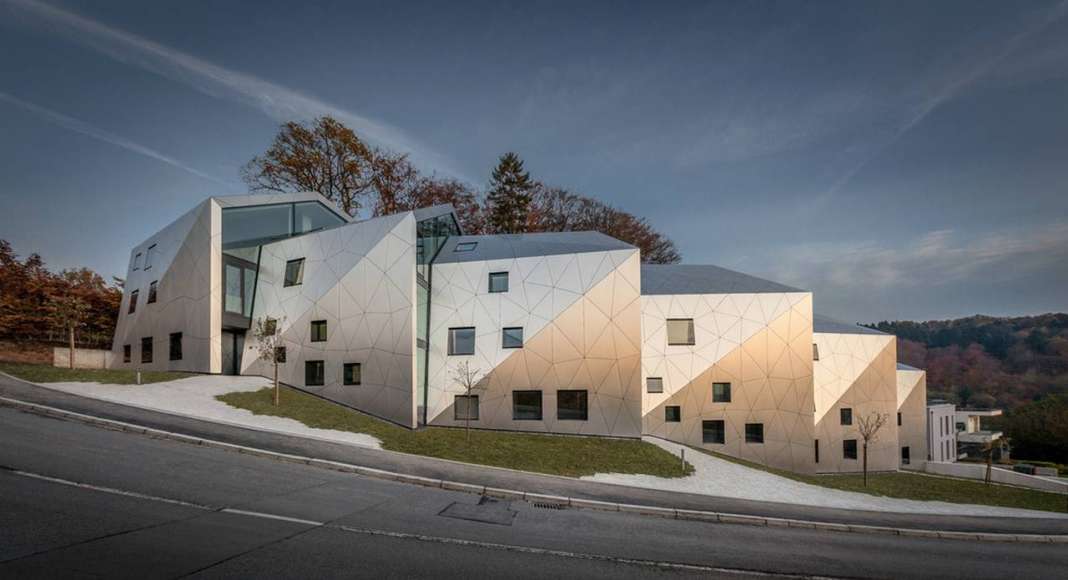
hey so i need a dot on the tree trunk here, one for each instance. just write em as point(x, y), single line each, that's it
point(71, 346)
point(467, 417)
point(865, 464)
point(277, 391)
point(989, 463)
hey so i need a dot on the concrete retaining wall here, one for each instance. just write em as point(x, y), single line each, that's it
point(998, 475)
point(84, 358)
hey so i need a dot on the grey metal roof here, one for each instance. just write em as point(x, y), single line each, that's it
point(821, 323)
point(699, 279)
point(506, 246)
point(905, 367)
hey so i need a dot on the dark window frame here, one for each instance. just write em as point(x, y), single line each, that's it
point(146, 340)
point(754, 433)
point(845, 415)
point(316, 381)
point(127, 353)
point(669, 416)
point(849, 449)
point(148, 256)
point(504, 337)
point(299, 278)
point(497, 276)
point(317, 325)
point(463, 247)
point(582, 413)
point(815, 352)
point(456, 408)
point(660, 380)
point(692, 332)
point(714, 432)
point(350, 378)
point(906, 455)
point(452, 341)
point(515, 404)
point(132, 306)
point(817, 446)
point(153, 290)
point(175, 353)
point(724, 396)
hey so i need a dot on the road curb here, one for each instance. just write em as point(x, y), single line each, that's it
point(560, 501)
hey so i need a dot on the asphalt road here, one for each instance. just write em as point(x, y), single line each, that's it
point(77, 500)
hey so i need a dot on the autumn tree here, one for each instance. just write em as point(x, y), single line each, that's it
point(509, 196)
point(268, 337)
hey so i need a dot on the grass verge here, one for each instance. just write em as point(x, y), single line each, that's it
point(553, 454)
point(906, 485)
point(49, 374)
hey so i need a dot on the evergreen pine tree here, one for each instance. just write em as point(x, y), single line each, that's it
point(509, 196)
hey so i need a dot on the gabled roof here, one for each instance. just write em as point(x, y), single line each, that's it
point(507, 246)
point(699, 279)
point(826, 324)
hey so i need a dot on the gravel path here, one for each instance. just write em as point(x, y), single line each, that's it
point(718, 477)
point(195, 397)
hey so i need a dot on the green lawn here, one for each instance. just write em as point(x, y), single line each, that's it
point(50, 374)
point(907, 485)
point(554, 454)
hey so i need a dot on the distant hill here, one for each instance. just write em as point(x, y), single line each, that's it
point(987, 361)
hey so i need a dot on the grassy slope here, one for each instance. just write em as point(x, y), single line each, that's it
point(907, 485)
point(559, 455)
point(36, 373)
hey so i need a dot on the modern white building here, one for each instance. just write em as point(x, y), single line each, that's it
point(570, 333)
point(941, 433)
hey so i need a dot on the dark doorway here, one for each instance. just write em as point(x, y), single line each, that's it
point(233, 343)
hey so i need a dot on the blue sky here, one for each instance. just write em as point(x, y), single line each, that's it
point(901, 160)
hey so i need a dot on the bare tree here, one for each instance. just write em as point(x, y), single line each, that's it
point(469, 379)
point(269, 341)
point(869, 426)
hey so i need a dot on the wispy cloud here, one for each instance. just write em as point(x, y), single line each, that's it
point(84, 128)
point(278, 102)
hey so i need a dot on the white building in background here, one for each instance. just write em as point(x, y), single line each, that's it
point(570, 332)
point(941, 432)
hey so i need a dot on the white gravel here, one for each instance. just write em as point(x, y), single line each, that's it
point(195, 397)
point(718, 477)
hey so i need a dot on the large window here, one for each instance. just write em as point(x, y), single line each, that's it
point(309, 216)
point(498, 282)
point(572, 405)
point(351, 374)
point(234, 289)
point(318, 331)
point(462, 341)
point(680, 331)
point(654, 385)
point(721, 392)
point(849, 449)
point(526, 405)
point(846, 416)
point(294, 272)
point(672, 413)
point(150, 256)
point(151, 292)
point(512, 337)
point(713, 432)
point(314, 373)
point(754, 432)
point(146, 349)
point(176, 346)
point(465, 408)
point(133, 301)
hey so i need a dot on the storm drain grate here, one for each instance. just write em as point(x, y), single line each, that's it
point(548, 506)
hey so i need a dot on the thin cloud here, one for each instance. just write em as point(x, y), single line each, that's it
point(277, 102)
point(84, 128)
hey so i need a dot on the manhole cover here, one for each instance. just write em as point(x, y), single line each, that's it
point(487, 511)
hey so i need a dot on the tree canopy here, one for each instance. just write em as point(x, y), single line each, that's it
point(509, 196)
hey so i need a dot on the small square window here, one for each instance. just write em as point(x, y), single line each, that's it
point(846, 416)
point(351, 374)
point(465, 247)
point(526, 405)
point(721, 392)
point(127, 353)
point(133, 301)
point(754, 432)
point(465, 408)
point(849, 449)
point(462, 341)
point(151, 293)
point(498, 282)
point(512, 337)
point(672, 413)
point(294, 272)
point(815, 352)
point(318, 331)
point(146, 349)
point(572, 405)
point(314, 373)
point(176, 346)
point(149, 256)
point(680, 331)
point(713, 432)
point(654, 385)
point(279, 354)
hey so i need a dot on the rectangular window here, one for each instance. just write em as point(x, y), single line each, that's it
point(713, 432)
point(462, 341)
point(351, 375)
point(151, 293)
point(572, 405)
point(905, 455)
point(146, 349)
point(498, 282)
point(318, 331)
point(815, 352)
point(314, 373)
point(233, 300)
point(270, 326)
point(526, 405)
point(680, 331)
point(280, 354)
point(721, 392)
point(176, 346)
point(754, 432)
point(672, 413)
point(512, 337)
point(849, 449)
point(137, 261)
point(133, 301)
point(127, 355)
point(465, 247)
point(846, 415)
point(149, 256)
point(817, 450)
point(294, 272)
point(654, 385)
point(465, 408)
point(899, 419)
